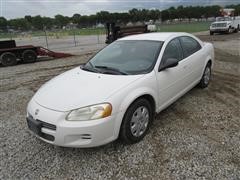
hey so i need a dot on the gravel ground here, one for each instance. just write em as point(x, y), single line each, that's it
point(198, 137)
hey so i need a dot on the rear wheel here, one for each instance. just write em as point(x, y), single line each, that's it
point(211, 33)
point(237, 29)
point(206, 77)
point(29, 56)
point(8, 59)
point(136, 121)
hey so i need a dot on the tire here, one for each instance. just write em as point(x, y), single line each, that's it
point(136, 121)
point(237, 29)
point(8, 59)
point(211, 33)
point(228, 31)
point(204, 82)
point(29, 56)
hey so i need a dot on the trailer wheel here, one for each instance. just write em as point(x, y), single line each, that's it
point(8, 59)
point(29, 56)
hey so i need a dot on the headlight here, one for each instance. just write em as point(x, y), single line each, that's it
point(90, 112)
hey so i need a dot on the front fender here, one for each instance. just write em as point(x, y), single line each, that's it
point(121, 100)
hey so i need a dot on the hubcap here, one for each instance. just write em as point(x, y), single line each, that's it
point(207, 75)
point(139, 121)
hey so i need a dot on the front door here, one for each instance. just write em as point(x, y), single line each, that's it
point(171, 81)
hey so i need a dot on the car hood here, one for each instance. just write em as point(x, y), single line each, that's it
point(221, 22)
point(78, 88)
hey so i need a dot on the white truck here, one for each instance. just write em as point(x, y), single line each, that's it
point(225, 25)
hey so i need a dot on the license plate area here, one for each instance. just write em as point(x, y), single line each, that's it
point(34, 126)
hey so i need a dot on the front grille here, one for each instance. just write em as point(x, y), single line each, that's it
point(219, 25)
point(48, 125)
point(86, 136)
point(37, 128)
point(47, 137)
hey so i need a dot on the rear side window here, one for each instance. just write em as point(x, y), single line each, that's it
point(189, 45)
point(172, 50)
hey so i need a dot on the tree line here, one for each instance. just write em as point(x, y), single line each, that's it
point(133, 15)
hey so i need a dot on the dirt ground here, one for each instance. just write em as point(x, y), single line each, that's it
point(197, 137)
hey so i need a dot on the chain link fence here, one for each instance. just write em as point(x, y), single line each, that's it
point(87, 38)
point(57, 39)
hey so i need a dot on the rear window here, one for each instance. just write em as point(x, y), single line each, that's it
point(189, 45)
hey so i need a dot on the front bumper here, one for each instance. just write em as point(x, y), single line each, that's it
point(73, 133)
point(222, 29)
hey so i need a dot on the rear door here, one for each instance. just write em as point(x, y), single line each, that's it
point(193, 57)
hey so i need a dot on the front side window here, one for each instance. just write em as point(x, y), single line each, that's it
point(172, 50)
point(189, 45)
point(127, 56)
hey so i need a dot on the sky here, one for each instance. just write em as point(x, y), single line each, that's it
point(19, 8)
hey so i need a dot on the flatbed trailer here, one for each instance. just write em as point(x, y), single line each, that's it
point(10, 54)
point(114, 32)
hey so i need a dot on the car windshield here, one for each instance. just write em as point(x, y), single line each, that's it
point(126, 57)
point(223, 19)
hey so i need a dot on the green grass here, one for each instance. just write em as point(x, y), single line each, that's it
point(185, 27)
point(82, 32)
point(58, 33)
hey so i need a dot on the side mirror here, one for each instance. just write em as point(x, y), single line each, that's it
point(171, 62)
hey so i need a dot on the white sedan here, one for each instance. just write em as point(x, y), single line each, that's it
point(118, 91)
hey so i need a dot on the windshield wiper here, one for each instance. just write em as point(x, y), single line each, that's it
point(115, 70)
point(91, 69)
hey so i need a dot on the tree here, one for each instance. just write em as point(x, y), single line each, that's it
point(154, 14)
point(165, 15)
point(37, 22)
point(76, 18)
point(61, 20)
point(20, 24)
point(28, 18)
point(47, 22)
point(103, 16)
point(134, 15)
point(3, 23)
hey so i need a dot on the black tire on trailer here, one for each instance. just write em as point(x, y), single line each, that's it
point(29, 56)
point(8, 59)
point(211, 33)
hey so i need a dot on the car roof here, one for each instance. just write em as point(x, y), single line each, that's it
point(158, 36)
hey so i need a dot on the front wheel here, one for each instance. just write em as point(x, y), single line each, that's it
point(205, 77)
point(136, 121)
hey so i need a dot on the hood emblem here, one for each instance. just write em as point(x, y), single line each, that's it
point(37, 111)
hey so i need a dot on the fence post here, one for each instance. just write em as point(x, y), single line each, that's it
point(74, 38)
point(98, 37)
point(46, 38)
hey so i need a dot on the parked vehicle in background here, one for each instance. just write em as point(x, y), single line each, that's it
point(225, 25)
point(119, 90)
point(228, 23)
point(114, 32)
point(11, 54)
